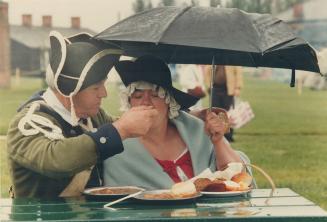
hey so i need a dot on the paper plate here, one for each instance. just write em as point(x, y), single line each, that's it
point(225, 193)
point(114, 192)
point(164, 196)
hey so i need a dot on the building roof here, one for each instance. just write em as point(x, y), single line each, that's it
point(38, 36)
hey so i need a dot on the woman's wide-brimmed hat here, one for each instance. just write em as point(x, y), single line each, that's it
point(156, 71)
point(79, 61)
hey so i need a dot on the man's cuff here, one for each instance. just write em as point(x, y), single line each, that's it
point(107, 140)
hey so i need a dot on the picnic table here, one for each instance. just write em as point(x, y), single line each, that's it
point(286, 205)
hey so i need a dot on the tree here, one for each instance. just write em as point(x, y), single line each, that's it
point(260, 6)
point(215, 3)
point(138, 6)
point(141, 5)
point(194, 3)
point(168, 2)
point(263, 6)
point(149, 5)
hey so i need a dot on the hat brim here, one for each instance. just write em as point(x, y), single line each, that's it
point(99, 71)
point(94, 67)
point(79, 37)
point(129, 73)
point(58, 52)
point(183, 99)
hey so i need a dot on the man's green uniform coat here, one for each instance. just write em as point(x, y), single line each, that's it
point(43, 167)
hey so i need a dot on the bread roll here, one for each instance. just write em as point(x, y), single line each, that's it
point(227, 174)
point(231, 170)
point(232, 186)
point(204, 174)
point(183, 188)
point(243, 177)
point(243, 186)
point(217, 175)
point(237, 167)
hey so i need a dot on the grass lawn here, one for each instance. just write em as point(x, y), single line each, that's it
point(287, 138)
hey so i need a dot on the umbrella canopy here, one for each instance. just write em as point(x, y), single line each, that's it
point(197, 35)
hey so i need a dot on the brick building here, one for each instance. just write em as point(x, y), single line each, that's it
point(30, 44)
point(4, 46)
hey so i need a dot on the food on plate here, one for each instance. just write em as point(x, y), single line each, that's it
point(163, 196)
point(183, 188)
point(243, 186)
point(216, 186)
point(232, 178)
point(207, 173)
point(235, 167)
point(232, 186)
point(201, 183)
point(167, 196)
point(224, 185)
point(180, 190)
point(115, 190)
point(243, 177)
point(231, 170)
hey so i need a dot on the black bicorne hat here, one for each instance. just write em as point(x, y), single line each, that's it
point(79, 61)
point(156, 71)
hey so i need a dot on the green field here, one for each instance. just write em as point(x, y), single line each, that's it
point(287, 138)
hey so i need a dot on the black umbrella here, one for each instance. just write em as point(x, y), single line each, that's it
point(206, 35)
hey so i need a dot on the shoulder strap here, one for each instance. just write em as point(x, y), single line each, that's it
point(68, 130)
point(35, 97)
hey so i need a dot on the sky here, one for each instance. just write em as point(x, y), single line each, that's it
point(100, 14)
point(95, 14)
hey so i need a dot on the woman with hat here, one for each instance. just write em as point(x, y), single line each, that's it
point(59, 138)
point(176, 147)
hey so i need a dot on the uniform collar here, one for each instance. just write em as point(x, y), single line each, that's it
point(51, 99)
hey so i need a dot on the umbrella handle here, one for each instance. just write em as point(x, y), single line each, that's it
point(213, 74)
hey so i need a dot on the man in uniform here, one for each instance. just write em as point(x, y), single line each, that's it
point(59, 138)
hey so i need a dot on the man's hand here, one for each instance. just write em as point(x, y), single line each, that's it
point(135, 122)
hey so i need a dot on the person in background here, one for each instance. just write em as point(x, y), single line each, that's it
point(58, 139)
point(192, 82)
point(227, 85)
point(178, 145)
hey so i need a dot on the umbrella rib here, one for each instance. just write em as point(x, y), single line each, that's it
point(171, 21)
point(253, 60)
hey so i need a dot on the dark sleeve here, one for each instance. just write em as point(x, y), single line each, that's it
point(108, 141)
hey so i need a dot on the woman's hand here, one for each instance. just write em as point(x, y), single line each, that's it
point(216, 124)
